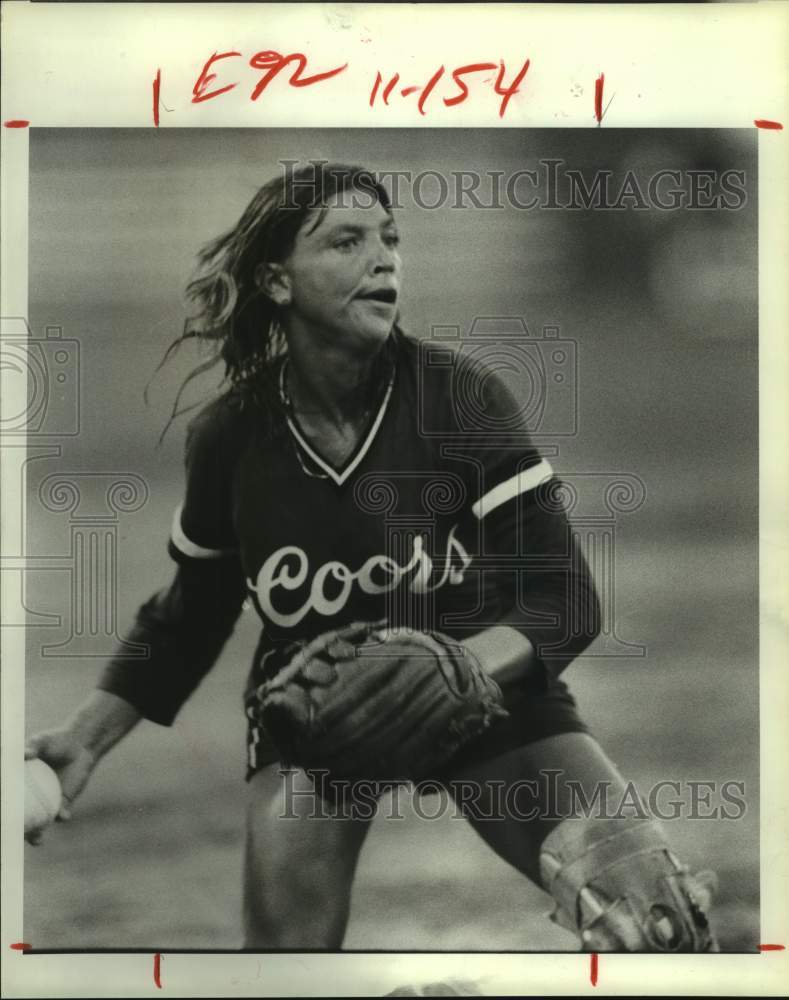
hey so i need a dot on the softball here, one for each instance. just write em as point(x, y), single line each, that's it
point(42, 795)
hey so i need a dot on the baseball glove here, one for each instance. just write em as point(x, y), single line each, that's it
point(364, 702)
point(620, 887)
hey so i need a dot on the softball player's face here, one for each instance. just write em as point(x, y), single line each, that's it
point(343, 276)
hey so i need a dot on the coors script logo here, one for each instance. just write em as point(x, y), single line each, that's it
point(288, 569)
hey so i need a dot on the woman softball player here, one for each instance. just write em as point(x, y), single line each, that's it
point(382, 507)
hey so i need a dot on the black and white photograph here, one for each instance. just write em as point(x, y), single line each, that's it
point(397, 552)
point(393, 431)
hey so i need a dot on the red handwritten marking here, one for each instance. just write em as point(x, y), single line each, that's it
point(766, 123)
point(430, 85)
point(274, 62)
point(157, 83)
point(21, 946)
point(772, 947)
point(598, 97)
point(387, 89)
point(205, 79)
point(508, 92)
point(16, 123)
point(157, 970)
point(593, 968)
point(462, 92)
point(390, 87)
point(376, 85)
point(456, 75)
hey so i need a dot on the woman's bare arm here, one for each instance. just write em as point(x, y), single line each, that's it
point(74, 749)
point(506, 654)
point(102, 721)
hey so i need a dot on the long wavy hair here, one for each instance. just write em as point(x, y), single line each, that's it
point(229, 311)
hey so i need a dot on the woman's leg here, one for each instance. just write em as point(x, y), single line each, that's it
point(497, 795)
point(590, 843)
point(301, 855)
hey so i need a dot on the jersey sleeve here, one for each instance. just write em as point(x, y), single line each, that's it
point(527, 542)
point(184, 628)
point(202, 526)
point(185, 625)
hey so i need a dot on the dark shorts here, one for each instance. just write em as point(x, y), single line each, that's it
point(532, 717)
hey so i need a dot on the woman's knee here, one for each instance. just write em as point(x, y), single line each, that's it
point(300, 863)
point(514, 801)
point(615, 879)
point(295, 910)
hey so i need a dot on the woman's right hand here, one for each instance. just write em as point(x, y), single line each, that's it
point(69, 758)
point(74, 750)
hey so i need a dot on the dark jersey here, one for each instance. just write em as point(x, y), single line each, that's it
point(444, 517)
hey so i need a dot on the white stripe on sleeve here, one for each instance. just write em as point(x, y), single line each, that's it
point(523, 481)
point(183, 544)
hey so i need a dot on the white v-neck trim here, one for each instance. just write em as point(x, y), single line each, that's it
point(338, 477)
